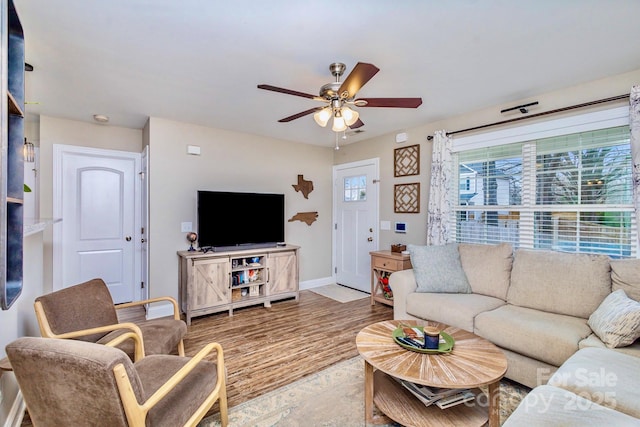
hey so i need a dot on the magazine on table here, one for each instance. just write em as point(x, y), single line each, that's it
point(443, 397)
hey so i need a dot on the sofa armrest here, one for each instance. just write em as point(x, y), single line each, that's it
point(402, 283)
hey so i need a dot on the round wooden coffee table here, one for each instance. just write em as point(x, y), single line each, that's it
point(474, 362)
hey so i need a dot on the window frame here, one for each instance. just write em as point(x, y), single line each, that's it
point(585, 122)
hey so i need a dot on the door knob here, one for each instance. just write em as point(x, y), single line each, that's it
point(142, 240)
point(128, 238)
point(370, 239)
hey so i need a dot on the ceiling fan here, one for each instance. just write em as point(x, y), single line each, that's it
point(339, 97)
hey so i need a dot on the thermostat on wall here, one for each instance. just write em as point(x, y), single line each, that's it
point(401, 227)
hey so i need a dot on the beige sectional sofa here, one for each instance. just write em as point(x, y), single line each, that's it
point(534, 305)
point(595, 386)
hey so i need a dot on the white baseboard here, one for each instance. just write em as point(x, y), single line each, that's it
point(159, 309)
point(315, 283)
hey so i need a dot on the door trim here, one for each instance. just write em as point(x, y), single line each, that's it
point(58, 151)
point(376, 188)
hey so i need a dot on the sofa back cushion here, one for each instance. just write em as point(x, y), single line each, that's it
point(625, 275)
point(488, 268)
point(557, 282)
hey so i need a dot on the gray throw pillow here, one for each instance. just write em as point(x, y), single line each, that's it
point(438, 269)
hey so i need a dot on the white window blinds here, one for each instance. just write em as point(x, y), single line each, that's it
point(568, 193)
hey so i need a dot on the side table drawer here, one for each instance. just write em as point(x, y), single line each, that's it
point(387, 264)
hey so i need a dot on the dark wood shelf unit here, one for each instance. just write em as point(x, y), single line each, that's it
point(11, 156)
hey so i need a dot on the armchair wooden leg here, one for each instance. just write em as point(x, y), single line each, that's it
point(222, 403)
point(181, 348)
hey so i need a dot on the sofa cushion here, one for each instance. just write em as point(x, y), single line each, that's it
point(544, 336)
point(548, 406)
point(457, 310)
point(487, 267)
point(625, 275)
point(562, 283)
point(438, 268)
point(593, 341)
point(617, 320)
point(604, 376)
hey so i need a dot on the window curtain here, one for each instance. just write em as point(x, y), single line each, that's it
point(440, 192)
point(634, 126)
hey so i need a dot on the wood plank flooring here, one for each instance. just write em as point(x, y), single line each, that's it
point(267, 348)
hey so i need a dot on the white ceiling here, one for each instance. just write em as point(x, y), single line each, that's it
point(200, 61)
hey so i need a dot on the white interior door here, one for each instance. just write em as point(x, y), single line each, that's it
point(355, 222)
point(100, 232)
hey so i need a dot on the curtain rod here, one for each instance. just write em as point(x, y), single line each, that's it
point(545, 113)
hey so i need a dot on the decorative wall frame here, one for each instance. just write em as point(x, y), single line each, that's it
point(406, 198)
point(406, 161)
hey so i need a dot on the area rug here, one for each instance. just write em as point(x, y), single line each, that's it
point(333, 397)
point(339, 293)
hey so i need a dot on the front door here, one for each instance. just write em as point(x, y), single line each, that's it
point(100, 219)
point(355, 222)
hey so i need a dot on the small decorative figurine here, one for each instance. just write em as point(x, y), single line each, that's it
point(191, 237)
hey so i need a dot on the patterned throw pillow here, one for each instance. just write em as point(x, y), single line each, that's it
point(438, 269)
point(617, 320)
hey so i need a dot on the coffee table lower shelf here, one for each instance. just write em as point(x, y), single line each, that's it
point(396, 402)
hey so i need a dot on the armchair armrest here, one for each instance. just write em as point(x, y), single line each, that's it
point(137, 338)
point(136, 412)
point(176, 310)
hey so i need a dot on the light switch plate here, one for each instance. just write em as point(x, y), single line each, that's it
point(185, 227)
point(193, 150)
point(385, 225)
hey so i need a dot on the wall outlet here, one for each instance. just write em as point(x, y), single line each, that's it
point(185, 227)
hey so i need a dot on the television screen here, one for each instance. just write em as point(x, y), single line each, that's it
point(227, 220)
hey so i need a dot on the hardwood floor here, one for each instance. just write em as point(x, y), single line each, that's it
point(266, 348)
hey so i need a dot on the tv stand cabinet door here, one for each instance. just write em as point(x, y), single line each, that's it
point(210, 283)
point(283, 272)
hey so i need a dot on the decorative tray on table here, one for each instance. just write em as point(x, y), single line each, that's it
point(415, 344)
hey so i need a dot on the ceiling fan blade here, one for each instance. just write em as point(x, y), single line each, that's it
point(360, 75)
point(288, 91)
point(390, 102)
point(301, 114)
point(357, 124)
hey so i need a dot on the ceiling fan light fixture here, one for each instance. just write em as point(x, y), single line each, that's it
point(322, 117)
point(350, 116)
point(338, 124)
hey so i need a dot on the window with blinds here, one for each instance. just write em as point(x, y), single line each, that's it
point(570, 193)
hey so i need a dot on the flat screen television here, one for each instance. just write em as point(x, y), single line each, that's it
point(232, 220)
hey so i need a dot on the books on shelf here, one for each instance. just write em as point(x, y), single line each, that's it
point(442, 397)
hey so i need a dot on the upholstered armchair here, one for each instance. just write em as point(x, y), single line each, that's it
point(86, 312)
point(76, 383)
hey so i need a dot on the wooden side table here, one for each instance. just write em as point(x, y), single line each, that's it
point(383, 263)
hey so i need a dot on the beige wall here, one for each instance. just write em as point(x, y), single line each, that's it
point(383, 146)
point(20, 319)
point(232, 161)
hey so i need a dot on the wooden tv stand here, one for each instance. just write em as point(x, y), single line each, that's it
point(217, 281)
